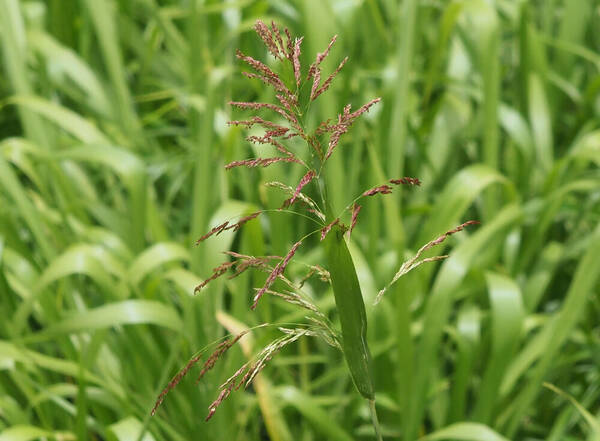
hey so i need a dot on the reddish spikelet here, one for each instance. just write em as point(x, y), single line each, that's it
point(263, 162)
point(174, 382)
point(345, 120)
point(443, 237)
point(269, 76)
point(364, 108)
point(277, 85)
point(243, 262)
point(289, 45)
point(324, 127)
point(296, 60)
point(305, 180)
point(334, 140)
point(218, 352)
point(268, 139)
point(243, 220)
point(287, 101)
point(217, 272)
point(327, 228)
point(406, 181)
point(315, 144)
point(383, 189)
point(329, 79)
point(277, 271)
point(315, 86)
point(355, 210)
point(215, 404)
point(277, 35)
point(216, 230)
point(256, 120)
point(267, 37)
point(319, 59)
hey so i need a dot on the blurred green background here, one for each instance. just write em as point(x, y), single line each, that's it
point(113, 138)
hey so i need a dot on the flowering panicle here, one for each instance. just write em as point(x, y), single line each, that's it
point(321, 142)
point(296, 60)
point(415, 262)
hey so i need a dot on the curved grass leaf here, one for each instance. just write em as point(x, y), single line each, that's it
point(128, 312)
point(466, 432)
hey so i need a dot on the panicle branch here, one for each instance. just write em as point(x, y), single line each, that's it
point(210, 362)
point(305, 180)
point(355, 210)
point(227, 226)
point(277, 271)
point(415, 262)
point(246, 374)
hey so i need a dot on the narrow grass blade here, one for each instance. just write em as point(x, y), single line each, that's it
point(129, 312)
point(507, 315)
point(585, 278)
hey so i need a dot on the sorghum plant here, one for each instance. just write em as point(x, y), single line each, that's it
point(296, 90)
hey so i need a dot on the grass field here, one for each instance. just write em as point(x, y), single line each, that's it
point(113, 142)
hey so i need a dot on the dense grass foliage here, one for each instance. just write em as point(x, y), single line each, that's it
point(113, 138)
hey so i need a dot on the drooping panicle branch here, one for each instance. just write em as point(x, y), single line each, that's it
point(219, 351)
point(246, 374)
point(228, 226)
point(216, 230)
point(406, 181)
point(415, 262)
